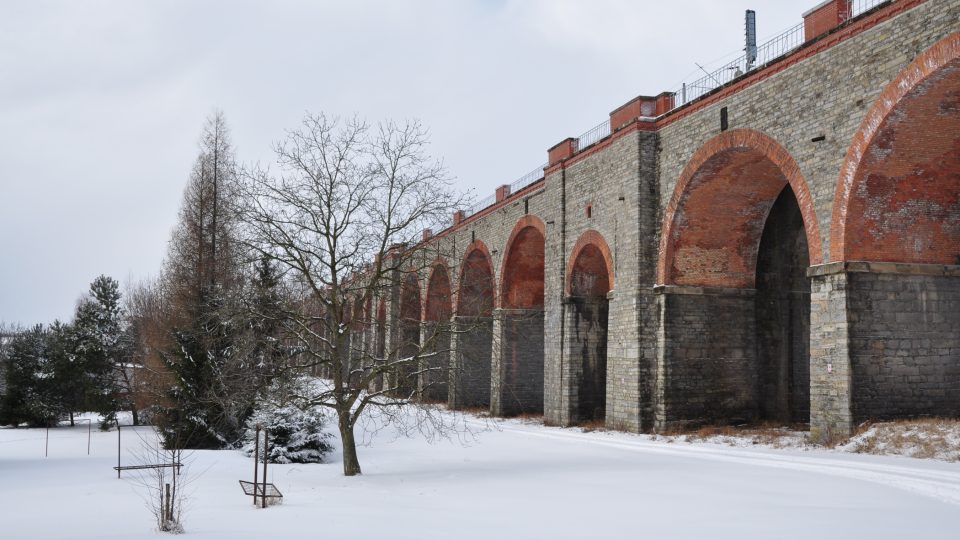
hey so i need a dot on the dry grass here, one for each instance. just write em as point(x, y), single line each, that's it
point(593, 425)
point(483, 412)
point(927, 438)
point(530, 418)
point(768, 434)
point(764, 433)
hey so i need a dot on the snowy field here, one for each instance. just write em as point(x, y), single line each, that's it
point(518, 480)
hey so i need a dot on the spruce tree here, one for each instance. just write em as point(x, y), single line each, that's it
point(101, 348)
point(32, 395)
point(70, 383)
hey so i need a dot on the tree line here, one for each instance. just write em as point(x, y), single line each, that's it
point(271, 273)
point(57, 370)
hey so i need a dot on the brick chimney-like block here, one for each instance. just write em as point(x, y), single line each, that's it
point(427, 234)
point(826, 17)
point(631, 110)
point(503, 192)
point(665, 102)
point(562, 150)
point(458, 217)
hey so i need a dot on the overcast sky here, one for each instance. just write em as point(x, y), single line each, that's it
point(101, 103)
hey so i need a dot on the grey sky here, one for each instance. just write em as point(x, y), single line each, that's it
point(101, 103)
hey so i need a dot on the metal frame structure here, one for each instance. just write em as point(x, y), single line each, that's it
point(262, 489)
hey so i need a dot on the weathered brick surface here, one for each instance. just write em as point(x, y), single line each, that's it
point(898, 194)
point(826, 17)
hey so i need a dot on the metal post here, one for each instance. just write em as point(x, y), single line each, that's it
point(46, 445)
point(266, 452)
point(88, 437)
point(256, 462)
point(118, 449)
point(175, 458)
point(166, 507)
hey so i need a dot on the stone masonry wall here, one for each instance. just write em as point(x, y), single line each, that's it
point(904, 345)
point(518, 386)
point(830, 370)
point(708, 371)
point(609, 182)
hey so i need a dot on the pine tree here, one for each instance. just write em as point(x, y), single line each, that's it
point(267, 353)
point(32, 395)
point(70, 384)
point(101, 348)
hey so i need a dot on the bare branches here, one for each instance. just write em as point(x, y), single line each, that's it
point(338, 217)
point(162, 479)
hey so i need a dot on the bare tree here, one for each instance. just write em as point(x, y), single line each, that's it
point(163, 479)
point(204, 333)
point(342, 219)
point(148, 334)
point(202, 254)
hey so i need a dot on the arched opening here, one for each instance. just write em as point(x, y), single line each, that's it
point(438, 311)
point(899, 197)
point(590, 278)
point(521, 377)
point(474, 326)
point(380, 342)
point(783, 314)
point(359, 337)
point(739, 234)
point(408, 347)
point(898, 201)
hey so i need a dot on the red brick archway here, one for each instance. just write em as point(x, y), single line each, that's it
point(438, 306)
point(590, 268)
point(381, 331)
point(410, 299)
point(522, 270)
point(898, 195)
point(475, 292)
point(712, 226)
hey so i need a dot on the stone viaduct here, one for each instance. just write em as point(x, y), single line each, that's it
point(783, 247)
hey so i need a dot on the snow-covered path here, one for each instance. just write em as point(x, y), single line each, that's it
point(521, 481)
point(937, 481)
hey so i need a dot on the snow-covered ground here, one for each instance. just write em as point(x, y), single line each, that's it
point(519, 480)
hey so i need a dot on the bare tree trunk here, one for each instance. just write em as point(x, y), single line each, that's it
point(351, 464)
point(213, 231)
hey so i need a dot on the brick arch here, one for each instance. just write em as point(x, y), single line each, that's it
point(380, 328)
point(382, 311)
point(439, 303)
point(522, 269)
point(590, 256)
point(411, 299)
point(898, 195)
point(712, 225)
point(476, 284)
point(358, 314)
